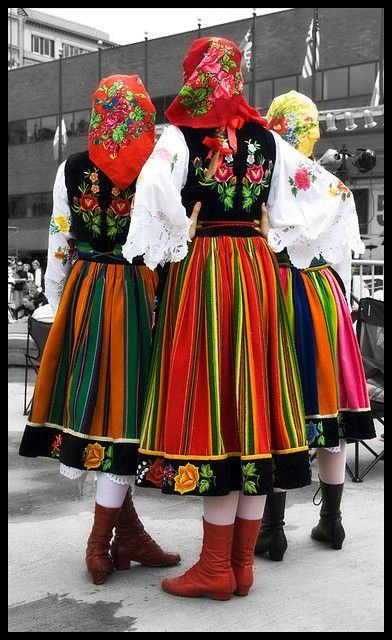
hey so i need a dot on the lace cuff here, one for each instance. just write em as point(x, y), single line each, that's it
point(155, 236)
point(53, 292)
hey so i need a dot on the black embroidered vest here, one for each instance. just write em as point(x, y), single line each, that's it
point(241, 183)
point(100, 210)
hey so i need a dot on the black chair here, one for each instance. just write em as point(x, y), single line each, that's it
point(370, 335)
point(37, 332)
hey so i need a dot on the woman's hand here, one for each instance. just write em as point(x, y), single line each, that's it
point(195, 213)
point(264, 224)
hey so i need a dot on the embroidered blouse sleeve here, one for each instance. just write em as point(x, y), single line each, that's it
point(159, 228)
point(311, 212)
point(59, 247)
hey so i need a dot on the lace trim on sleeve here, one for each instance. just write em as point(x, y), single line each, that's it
point(153, 234)
point(53, 292)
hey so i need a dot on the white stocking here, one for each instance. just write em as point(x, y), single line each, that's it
point(110, 494)
point(221, 509)
point(331, 465)
point(251, 507)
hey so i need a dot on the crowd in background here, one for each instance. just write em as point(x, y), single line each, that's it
point(25, 289)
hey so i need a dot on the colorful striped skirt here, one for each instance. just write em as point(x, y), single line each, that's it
point(224, 408)
point(91, 383)
point(333, 380)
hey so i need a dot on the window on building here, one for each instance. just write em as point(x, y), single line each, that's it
point(264, 94)
point(43, 46)
point(362, 79)
point(361, 198)
point(17, 206)
point(38, 205)
point(305, 85)
point(70, 50)
point(284, 85)
point(48, 127)
point(33, 128)
point(17, 132)
point(335, 83)
point(69, 123)
point(159, 104)
point(82, 121)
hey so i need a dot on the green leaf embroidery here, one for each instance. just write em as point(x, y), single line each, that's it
point(250, 487)
point(203, 485)
point(249, 469)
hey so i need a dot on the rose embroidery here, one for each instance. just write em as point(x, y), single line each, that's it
point(223, 180)
point(186, 478)
point(119, 211)
point(87, 205)
point(303, 178)
point(95, 456)
point(257, 177)
point(155, 473)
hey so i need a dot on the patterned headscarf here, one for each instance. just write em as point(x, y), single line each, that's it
point(212, 94)
point(121, 134)
point(295, 117)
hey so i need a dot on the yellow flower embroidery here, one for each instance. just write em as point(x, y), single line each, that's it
point(187, 478)
point(62, 223)
point(332, 192)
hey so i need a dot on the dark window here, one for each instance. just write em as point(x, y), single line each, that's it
point(362, 79)
point(48, 127)
point(33, 128)
point(17, 132)
point(264, 94)
point(38, 204)
point(284, 85)
point(43, 46)
point(159, 104)
point(305, 85)
point(69, 123)
point(82, 121)
point(335, 83)
point(361, 197)
point(17, 206)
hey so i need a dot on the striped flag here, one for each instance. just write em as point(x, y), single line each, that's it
point(307, 69)
point(376, 92)
point(246, 49)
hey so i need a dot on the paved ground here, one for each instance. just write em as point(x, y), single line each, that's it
point(313, 589)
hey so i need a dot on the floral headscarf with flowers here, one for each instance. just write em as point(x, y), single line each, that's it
point(294, 117)
point(212, 94)
point(121, 134)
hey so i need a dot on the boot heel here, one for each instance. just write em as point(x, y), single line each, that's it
point(242, 591)
point(121, 563)
point(337, 538)
point(221, 596)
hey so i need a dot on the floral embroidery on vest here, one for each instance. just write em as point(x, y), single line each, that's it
point(118, 213)
point(256, 178)
point(223, 179)
point(124, 118)
point(213, 78)
point(87, 205)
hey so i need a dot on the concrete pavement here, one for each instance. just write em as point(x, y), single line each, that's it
point(313, 589)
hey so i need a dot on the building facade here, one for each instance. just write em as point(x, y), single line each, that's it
point(35, 37)
point(350, 51)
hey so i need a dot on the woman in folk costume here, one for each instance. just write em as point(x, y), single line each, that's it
point(224, 415)
point(337, 406)
point(91, 384)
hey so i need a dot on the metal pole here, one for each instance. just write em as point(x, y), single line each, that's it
point(314, 47)
point(146, 59)
point(381, 65)
point(253, 83)
point(60, 158)
point(199, 28)
point(99, 60)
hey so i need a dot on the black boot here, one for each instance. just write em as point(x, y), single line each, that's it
point(330, 528)
point(271, 537)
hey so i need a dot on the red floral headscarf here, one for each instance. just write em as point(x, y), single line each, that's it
point(121, 135)
point(212, 95)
